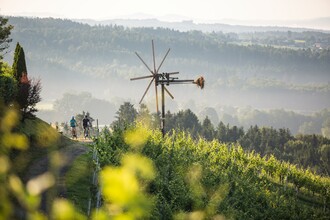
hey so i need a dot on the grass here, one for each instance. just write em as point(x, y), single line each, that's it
point(36, 129)
point(79, 181)
point(47, 166)
point(42, 138)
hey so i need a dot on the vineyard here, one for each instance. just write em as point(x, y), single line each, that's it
point(139, 174)
point(181, 177)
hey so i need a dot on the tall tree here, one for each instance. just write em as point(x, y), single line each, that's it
point(221, 134)
point(19, 72)
point(325, 158)
point(126, 115)
point(5, 30)
point(19, 64)
point(144, 115)
point(208, 131)
point(28, 90)
point(170, 121)
point(188, 121)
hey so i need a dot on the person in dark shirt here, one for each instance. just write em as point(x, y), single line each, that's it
point(86, 124)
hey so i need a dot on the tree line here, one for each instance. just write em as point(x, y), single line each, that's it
point(307, 151)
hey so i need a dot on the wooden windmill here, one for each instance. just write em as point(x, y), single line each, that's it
point(163, 79)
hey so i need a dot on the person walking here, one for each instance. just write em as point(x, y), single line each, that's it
point(86, 124)
point(73, 125)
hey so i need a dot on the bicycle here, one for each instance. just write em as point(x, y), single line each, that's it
point(86, 132)
point(73, 132)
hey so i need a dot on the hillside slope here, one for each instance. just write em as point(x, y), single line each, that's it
point(45, 165)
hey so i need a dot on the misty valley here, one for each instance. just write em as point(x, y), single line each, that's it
point(277, 78)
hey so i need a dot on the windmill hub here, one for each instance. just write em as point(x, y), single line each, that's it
point(164, 79)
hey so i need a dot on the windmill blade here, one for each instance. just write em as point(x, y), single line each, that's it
point(145, 92)
point(163, 59)
point(144, 62)
point(168, 92)
point(142, 77)
point(153, 55)
point(157, 109)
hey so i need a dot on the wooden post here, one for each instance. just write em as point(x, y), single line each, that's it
point(97, 128)
point(163, 110)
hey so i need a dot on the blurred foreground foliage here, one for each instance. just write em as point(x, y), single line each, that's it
point(199, 179)
point(20, 198)
point(146, 176)
point(123, 187)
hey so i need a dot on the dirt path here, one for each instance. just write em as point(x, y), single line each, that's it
point(65, 157)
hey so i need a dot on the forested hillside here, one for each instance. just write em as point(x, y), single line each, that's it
point(251, 78)
point(104, 43)
point(181, 177)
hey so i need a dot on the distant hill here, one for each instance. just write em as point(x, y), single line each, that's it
point(262, 70)
point(225, 26)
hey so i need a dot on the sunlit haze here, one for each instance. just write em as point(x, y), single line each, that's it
point(199, 11)
point(254, 55)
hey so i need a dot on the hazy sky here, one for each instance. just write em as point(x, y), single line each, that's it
point(204, 10)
